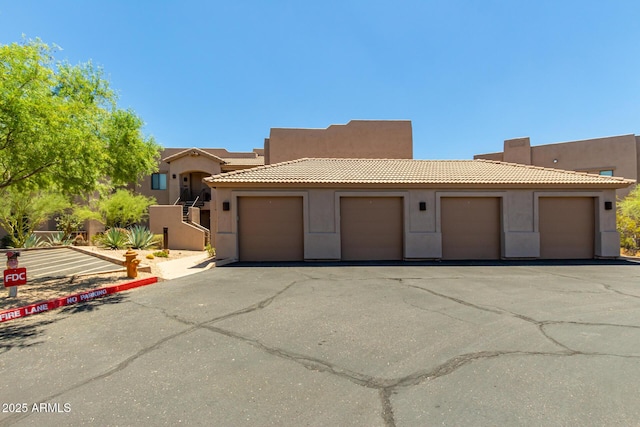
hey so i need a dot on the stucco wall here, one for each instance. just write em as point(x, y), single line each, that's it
point(181, 235)
point(179, 166)
point(422, 234)
point(618, 153)
point(367, 139)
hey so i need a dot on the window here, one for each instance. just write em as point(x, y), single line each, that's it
point(159, 181)
point(607, 172)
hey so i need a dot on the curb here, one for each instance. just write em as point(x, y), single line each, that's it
point(44, 306)
point(141, 267)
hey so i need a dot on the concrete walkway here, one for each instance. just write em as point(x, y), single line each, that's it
point(185, 266)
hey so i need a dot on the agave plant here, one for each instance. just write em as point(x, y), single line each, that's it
point(34, 241)
point(59, 239)
point(141, 238)
point(114, 238)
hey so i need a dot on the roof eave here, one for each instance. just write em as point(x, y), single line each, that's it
point(426, 185)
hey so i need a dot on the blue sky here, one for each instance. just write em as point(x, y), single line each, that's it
point(468, 74)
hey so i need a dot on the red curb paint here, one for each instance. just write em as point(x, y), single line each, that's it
point(41, 307)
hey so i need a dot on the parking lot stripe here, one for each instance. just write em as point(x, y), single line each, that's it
point(63, 262)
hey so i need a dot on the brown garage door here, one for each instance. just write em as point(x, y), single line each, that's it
point(567, 227)
point(270, 229)
point(371, 228)
point(470, 227)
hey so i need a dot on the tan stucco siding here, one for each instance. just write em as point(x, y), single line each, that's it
point(367, 139)
point(621, 154)
point(181, 235)
point(422, 238)
point(617, 153)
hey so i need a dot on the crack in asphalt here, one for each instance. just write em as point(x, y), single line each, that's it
point(257, 306)
point(607, 286)
point(404, 300)
point(539, 323)
point(125, 363)
point(385, 387)
point(387, 408)
point(117, 368)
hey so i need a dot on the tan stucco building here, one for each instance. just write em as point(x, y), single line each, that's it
point(354, 192)
point(385, 209)
point(609, 156)
point(179, 184)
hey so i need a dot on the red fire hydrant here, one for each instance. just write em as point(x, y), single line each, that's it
point(131, 263)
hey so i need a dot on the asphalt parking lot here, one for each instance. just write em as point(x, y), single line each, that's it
point(405, 345)
point(61, 262)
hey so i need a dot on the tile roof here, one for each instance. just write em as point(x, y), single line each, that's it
point(193, 152)
point(405, 171)
point(255, 161)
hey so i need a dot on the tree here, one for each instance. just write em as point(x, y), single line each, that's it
point(60, 128)
point(628, 220)
point(120, 209)
point(21, 212)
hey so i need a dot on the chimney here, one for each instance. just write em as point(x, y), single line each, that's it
point(517, 150)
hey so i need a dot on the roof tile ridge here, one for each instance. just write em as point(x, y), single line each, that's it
point(192, 149)
point(565, 171)
point(263, 167)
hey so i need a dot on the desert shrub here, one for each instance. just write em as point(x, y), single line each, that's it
point(79, 241)
point(124, 208)
point(210, 250)
point(628, 221)
point(68, 223)
point(161, 254)
point(141, 238)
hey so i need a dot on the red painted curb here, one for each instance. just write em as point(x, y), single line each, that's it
point(41, 307)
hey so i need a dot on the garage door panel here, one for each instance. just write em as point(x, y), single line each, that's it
point(567, 227)
point(470, 227)
point(371, 228)
point(270, 229)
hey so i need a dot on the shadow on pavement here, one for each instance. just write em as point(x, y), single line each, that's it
point(17, 334)
point(25, 332)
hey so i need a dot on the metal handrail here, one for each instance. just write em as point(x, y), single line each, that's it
point(195, 201)
point(177, 200)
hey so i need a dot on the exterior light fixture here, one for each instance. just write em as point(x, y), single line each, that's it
point(608, 206)
point(555, 160)
point(423, 206)
point(225, 206)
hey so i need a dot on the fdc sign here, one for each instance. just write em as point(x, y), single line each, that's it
point(15, 277)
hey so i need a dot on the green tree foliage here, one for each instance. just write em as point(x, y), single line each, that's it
point(60, 128)
point(628, 220)
point(120, 209)
point(21, 212)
